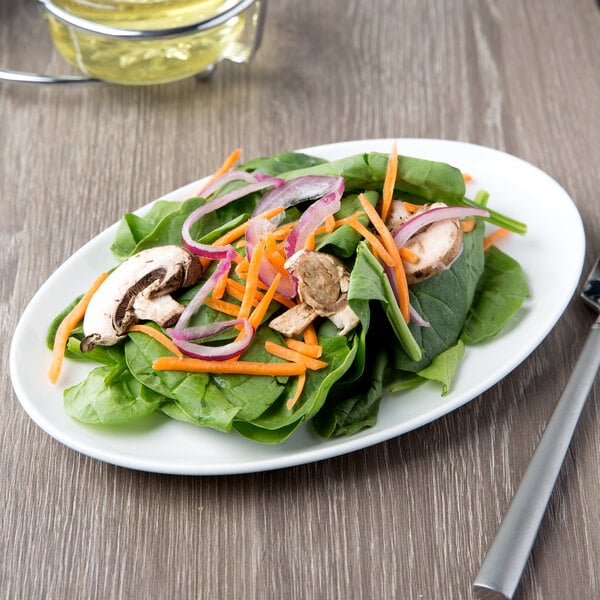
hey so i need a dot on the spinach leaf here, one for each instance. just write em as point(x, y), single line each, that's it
point(501, 291)
point(426, 179)
point(134, 228)
point(343, 241)
point(191, 391)
point(444, 365)
point(444, 301)
point(349, 415)
point(100, 398)
point(338, 355)
point(369, 282)
point(281, 162)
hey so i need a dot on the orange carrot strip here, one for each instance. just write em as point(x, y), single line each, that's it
point(468, 224)
point(310, 242)
point(281, 299)
point(258, 314)
point(237, 232)
point(226, 166)
point(389, 182)
point(251, 280)
point(239, 367)
point(241, 269)
point(219, 289)
point(494, 237)
point(344, 220)
point(467, 178)
point(314, 350)
point(237, 290)
point(389, 244)
point(299, 388)
point(411, 207)
point(66, 327)
point(157, 335)
point(291, 355)
point(278, 262)
point(408, 255)
point(227, 308)
point(283, 231)
point(329, 223)
point(373, 240)
point(310, 335)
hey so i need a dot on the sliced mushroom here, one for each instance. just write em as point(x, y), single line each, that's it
point(436, 246)
point(139, 289)
point(323, 282)
point(294, 321)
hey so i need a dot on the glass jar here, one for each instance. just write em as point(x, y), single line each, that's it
point(152, 41)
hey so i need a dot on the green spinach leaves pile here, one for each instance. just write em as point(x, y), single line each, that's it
point(466, 304)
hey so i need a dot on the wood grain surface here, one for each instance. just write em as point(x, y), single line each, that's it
point(410, 518)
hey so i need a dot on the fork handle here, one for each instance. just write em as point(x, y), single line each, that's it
point(503, 566)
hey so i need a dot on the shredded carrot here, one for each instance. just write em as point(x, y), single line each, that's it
point(279, 297)
point(291, 355)
point(239, 367)
point(494, 237)
point(314, 350)
point(278, 261)
point(283, 231)
point(329, 223)
point(310, 335)
point(408, 255)
point(389, 244)
point(337, 223)
point(252, 280)
point(411, 207)
point(237, 291)
point(271, 246)
point(159, 336)
point(219, 289)
point(389, 182)
point(467, 178)
point(301, 382)
point(66, 327)
point(468, 224)
point(237, 232)
point(227, 308)
point(310, 242)
point(226, 166)
point(258, 314)
point(372, 239)
point(241, 269)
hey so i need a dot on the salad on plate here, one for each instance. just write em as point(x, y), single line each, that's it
point(291, 289)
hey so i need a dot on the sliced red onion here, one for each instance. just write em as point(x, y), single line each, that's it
point(299, 189)
point(311, 218)
point(219, 252)
point(184, 340)
point(257, 227)
point(416, 223)
point(205, 289)
point(417, 319)
point(233, 175)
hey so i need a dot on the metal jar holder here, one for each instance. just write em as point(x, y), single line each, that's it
point(117, 33)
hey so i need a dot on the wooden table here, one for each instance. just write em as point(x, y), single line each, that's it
point(409, 518)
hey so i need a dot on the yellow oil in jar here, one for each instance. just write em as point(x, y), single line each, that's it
point(148, 61)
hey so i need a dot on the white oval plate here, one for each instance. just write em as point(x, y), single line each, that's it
point(162, 445)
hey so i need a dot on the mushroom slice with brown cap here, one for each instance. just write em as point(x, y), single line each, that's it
point(436, 246)
point(323, 281)
point(139, 289)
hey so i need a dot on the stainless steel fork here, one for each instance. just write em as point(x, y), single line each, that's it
point(503, 566)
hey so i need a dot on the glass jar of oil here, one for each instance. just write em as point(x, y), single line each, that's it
point(152, 41)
